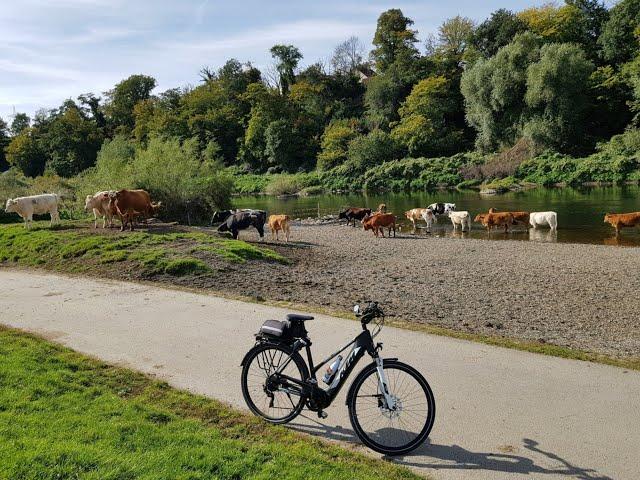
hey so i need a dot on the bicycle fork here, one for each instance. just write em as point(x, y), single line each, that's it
point(389, 400)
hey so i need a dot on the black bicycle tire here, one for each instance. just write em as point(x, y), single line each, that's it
point(302, 367)
point(391, 451)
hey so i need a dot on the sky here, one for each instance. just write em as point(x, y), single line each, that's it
point(51, 50)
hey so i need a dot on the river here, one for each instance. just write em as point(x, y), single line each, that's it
point(580, 210)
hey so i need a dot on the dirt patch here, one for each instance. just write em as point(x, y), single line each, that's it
point(579, 296)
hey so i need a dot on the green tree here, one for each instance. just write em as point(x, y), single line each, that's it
point(394, 40)
point(367, 151)
point(618, 40)
point(287, 57)
point(455, 34)
point(335, 143)
point(426, 127)
point(557, 97)
point(25, 153)
point(494, 91)
point(553, 23)
point(497, 31)
point(123, 98)
point(70, 141)
point(383, 97)
point(4, 141)
point(21, 122)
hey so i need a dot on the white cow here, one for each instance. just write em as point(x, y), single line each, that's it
point(461, 218)
point(538, 219)
point(428, 217)
point(26, 207)
point(99, 203)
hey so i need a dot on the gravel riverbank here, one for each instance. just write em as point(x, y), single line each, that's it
point(581, 296)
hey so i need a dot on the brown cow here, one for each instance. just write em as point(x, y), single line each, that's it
point(354, 213)
point(622, 220)
point(490, 220)
point(518, 217)
point(378, 222)
point(129, 203)
point(278, 223)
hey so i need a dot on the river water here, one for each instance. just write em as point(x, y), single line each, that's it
point(580, 210)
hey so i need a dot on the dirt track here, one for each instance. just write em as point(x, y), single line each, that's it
point(582, 296)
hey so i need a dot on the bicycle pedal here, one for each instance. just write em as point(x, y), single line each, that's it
point(322, 414)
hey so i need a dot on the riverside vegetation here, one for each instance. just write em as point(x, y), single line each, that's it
point(547, 95)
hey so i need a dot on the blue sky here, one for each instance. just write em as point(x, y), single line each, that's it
point(51, 50)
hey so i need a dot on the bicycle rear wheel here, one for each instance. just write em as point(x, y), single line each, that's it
point(392, 432)
point(268, 395)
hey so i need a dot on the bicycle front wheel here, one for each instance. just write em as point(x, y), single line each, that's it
point(397, 431)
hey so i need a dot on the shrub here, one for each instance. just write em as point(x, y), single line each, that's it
point(285, 184)
point(370, 150)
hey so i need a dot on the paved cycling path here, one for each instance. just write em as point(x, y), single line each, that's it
point(500, 413)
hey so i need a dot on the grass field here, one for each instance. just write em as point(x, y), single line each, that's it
point(72, 247)
point(65, 416)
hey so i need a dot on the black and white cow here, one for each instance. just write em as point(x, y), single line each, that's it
point(242, 220)
point(220, 216)
point(442, 208)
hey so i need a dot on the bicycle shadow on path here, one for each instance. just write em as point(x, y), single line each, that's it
point(455, 457)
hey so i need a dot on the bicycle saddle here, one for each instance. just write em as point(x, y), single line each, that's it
point(294, 317)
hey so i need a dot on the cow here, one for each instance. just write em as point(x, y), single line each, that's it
point(378, 222)
point(490, 220)
point(26, 207)
point(416, 214)
point(537, 219)
point(461, 218)
point(278, 223)
point(129, 203)
point(428, 217)
point(243, 220)
point(220, 216)
point(622, 220)
point(439, 209)
point(382, 208)
point(518, 217)
point(354, 213)
point(100, 205)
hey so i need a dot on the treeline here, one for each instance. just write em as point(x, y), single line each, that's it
point(554, 80)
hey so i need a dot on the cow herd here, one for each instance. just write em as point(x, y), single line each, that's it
point(128, 205)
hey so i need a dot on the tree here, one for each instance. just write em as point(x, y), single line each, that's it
point(335, 143)
point(394, 41)
point(594, 16)
point(24, 152)
point(383, 98)
point(123, 98)
point(618, 40)
point(426, 127)
point(494, 91)
point(287, 57)
point(455, 34)
point(92, 103)
point(556, 24)
point(367, 151)
point(497, 31)
point(4, 141)
point(557, 98)
point(347, 56)
point(21, 121)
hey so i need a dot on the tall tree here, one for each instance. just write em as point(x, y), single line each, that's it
point(395, 42)
point(618, 35)
point(4, 141)
point(25, 153)
point(455, 34)
point(287, 57)
point(347, 56)
point(123, 97)
point(20, 122)
point(497, 31)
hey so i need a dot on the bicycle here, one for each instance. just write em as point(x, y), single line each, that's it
point(391, 405)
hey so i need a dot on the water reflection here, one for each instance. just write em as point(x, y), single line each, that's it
point(544, 236)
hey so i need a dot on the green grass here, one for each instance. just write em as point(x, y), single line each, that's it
point(65, 416)
point(74, 249)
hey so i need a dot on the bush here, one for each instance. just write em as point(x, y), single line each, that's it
point(370, 150)
point(285, 184)
point(417, 173)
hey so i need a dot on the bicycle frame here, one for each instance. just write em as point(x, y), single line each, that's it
point(362, 344)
